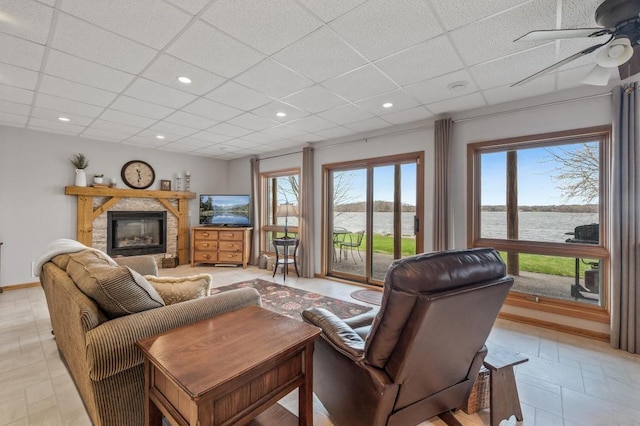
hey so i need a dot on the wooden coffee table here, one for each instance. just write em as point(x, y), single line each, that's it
point(228, 369)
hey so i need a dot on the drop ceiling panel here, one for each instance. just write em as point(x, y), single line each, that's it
point(13, 119)
point(15, 94)
point(106, 135)
point(273, 79)
point(408, 115)
point(67, 106)
point(313, 123)
point(379, 28)
point(52, 115)
point(238, 96)
point(27, 19)
point(328, 10)
point(190, 120)
point(14, 108)
point(90, 42)
point(479, 41)
point(209, 137)
point(399, 98)
point(208, 48)
point(266, 26)
point(361, 83)
point(138, 107)
point(18, 77)
point(437, 89)
point(191, 6)
point(320, 56)
point(156, 93)
point(55, 125)
point(151, 135)
point(284, 131)
point(127, 118)
point(22, 53)
point(346, 114)
point(579, 13)
point(177, 147)
point(150, 22)
point(77, 92)
point(123, 129)
point(315, 99)
point(456, 13)
point(229, 130)
point(212, 110)
point(195, 143)
point(166, 70)
point(63, 65)
point(335, 132)
point(270, 110)
point(368, 125)
point(417, 63)
point(492, 74)
point(253, 122)
point(471, 101)
point(176, 129)
point(539, 86)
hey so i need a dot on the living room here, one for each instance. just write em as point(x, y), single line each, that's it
point(35, 169)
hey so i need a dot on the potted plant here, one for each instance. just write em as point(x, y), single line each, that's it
point(80, 162)
point(99, 178)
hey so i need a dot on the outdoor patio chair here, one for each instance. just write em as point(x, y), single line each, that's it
point(339, 235)
point(354, 242)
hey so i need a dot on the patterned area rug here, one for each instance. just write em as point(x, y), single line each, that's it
point(291, 301)
point(370, 296)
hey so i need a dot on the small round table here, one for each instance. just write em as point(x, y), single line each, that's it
point(285, 243)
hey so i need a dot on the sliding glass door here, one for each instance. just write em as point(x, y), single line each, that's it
point(372, 215)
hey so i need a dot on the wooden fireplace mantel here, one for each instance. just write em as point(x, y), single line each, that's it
point(86, 213)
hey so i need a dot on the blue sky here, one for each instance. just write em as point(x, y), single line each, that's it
point(535, 183)
point(383, 182)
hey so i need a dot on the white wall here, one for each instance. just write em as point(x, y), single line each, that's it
point(35, 168)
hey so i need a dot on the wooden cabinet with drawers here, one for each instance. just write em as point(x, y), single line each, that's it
point(220, 245)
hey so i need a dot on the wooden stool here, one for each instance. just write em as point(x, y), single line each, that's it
point(504, 401)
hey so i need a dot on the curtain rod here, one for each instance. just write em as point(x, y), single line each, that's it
point(531, 107)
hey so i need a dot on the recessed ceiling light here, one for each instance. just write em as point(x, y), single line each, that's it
point(65, 119)
point(159, 137)
point(281, 114)
point(225, 149)
point(387, 105)
point(457, 86)
point(184, 79)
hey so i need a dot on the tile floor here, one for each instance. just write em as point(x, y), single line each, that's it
point(569, 380)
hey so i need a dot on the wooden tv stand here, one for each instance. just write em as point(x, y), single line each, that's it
point(220, 245)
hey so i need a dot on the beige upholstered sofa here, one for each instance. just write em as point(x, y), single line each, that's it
point(99, 349)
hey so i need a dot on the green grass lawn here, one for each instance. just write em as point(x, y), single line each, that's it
point(551, 265)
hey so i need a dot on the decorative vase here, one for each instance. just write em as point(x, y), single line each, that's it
point(81, 177)
point(97, 179)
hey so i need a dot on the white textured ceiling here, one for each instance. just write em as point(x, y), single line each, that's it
point(111, 67)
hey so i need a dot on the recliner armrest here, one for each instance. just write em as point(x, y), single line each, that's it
point(337, 332)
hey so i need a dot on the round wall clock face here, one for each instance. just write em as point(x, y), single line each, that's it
point(137, 174)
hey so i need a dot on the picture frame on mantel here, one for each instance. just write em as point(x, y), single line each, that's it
point(165, 185)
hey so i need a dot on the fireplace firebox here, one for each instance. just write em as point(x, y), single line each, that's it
point(131, 233)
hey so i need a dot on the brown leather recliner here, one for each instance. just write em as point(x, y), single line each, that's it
point(420, 355)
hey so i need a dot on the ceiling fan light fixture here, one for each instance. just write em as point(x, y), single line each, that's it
point(599, 76)
point(615, 53)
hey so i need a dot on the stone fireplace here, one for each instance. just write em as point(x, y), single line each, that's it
point(131, 233)
point(94, 205)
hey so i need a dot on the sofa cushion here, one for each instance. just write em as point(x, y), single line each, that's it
point(118, 290)
point(180, 289)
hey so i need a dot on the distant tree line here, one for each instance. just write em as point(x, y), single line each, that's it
point(564, 208)
point(378, 206)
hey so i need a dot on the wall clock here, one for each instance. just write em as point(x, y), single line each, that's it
point(138, 174)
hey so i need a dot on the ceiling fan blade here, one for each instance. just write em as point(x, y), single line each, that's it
point(543, 35)
point(559, 64)
point(599, 76)
point(632, 66)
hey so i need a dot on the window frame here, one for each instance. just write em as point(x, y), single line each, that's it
point(265, 226)
point(601, 134)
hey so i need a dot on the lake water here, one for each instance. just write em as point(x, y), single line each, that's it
point(535, 226)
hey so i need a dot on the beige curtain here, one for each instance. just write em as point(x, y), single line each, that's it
point(443, 131)
point(306, 214)
point(625, 254)
point(255, 210)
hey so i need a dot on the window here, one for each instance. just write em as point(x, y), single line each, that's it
point(277, 189)
point(541, 201)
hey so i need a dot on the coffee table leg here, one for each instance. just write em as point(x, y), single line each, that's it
point(305, 392)
point(152, 415)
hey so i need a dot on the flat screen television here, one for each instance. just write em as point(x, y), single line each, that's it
point(225, 210)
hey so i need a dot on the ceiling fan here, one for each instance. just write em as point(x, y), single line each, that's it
point(620, 19)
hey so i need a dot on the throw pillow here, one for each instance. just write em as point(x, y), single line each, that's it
point(180, 289)
point(118, 290)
